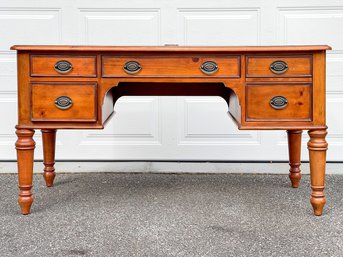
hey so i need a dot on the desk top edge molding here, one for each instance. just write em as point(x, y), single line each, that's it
point(290, 48)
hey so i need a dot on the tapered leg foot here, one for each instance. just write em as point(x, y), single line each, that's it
point(25, 146)
point(294, 150)
point(25, 199)
point(49, 141)
point(318, 200)
point(49, 178)
point(317, 150)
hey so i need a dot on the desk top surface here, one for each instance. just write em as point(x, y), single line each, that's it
point(171, 48)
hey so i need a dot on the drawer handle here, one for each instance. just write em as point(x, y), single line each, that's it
point(63, 66)
point(209, 67)
point(132, 67)
point(63, 102)
point(279, 102)
point(279, 67)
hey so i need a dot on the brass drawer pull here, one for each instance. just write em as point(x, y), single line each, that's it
point(209, 67)
point(63, 102)
point(63, 66)
point(279, 67)
point(278, 102)
point(132, 67)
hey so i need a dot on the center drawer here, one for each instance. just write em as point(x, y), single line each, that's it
point(64, 102)
point(176, 66)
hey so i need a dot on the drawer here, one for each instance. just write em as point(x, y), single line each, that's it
point(179, 66)
point(64, 102)
point(279, 102)
point(63, 66)
point(279, 66)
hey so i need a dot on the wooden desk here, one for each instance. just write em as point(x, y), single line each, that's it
point(76, 87)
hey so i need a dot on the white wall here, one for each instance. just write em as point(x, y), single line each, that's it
point(171, 128)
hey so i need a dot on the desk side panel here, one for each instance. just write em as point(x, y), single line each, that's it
point(319, 88)
point(24, 103)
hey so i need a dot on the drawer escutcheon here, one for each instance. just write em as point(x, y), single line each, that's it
point(132, 67)
point(278, 102)
point(209, 67)
point(279, 67)
point(63, 102)
point(63, 66)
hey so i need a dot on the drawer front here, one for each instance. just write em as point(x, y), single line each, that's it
point(63, 66)
point(279, 102)
point(162, 66)
point(279, 66)
point(64, 102)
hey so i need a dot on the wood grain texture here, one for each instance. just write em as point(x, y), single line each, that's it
point(317, 147)
point(319, 88)
point(258, 97)
point(289, 48)
point(49, 142)
point(294, 153)
point(24, 89)
point(175, 66)
point(44, 65)
point(244, 80)
point(25, 146)
point(83, 96)
point(298, 66)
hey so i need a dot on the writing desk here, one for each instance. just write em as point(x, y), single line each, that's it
point(266, 88)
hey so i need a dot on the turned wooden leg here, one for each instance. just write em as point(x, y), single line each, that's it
point(317, 147)
point(25, 146)
point(49, 141)
point(294, 150)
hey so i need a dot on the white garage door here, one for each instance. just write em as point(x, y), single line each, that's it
point(171, 128)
